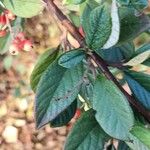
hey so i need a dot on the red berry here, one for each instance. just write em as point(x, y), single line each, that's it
point(3, 33)
point(27, 45)
point(10, 15)
point(14, 49)
point(3, 19)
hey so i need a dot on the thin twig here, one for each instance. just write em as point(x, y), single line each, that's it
point(98, 60)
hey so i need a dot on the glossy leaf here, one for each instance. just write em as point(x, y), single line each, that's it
point(24, 8)
point(54, 94)
point(139, 84)
point(113, 112)
point(86, 134)
point(43, 62)
point(71, 58)
point(65, 116)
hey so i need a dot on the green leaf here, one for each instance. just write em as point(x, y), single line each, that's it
point(65, 116)
point(138, 59)
point(117, 54)
point(86, 134)
point(71, 58)
point(24, 8)
point(140, 55)
point(139, 84)
point(43, 62)
point(76, 2)
point(87, 8)
point(54, 94)
point(143, 134)
point(75, 18)
point(123, 146)
point(131, 24)
point(140, 138)
point(99, 27)
point(113, 112)
point(102, 27)
point(139, 4)
point(147, 63)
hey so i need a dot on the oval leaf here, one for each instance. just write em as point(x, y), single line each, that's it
point(86, 134)
point(43, 62)
point(71, 58)
point(139, 84)
point(54, 94)
point(112, 109)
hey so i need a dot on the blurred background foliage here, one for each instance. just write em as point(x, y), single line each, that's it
point(17, 128)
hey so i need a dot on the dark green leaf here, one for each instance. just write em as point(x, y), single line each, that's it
point(43, 62)
point(123, 146)
point(117, 53)
point(65, 116)
point(139, 84)
point(103, 25)
point(140, 55)
point(131, 25)
point(112, 109)
point(86, 134)
point(99, 27)
point(147, 63)
point(89, 6)
point(72, 58)
point(54, 94)
point(139, 4)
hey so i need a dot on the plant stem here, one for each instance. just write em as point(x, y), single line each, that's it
point(98, 60)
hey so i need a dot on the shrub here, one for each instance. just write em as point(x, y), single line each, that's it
point(88, 79)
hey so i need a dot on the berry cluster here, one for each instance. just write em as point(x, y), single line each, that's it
point(5, 17)
point(19, 41)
